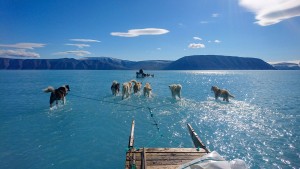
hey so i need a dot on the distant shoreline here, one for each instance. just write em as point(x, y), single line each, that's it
point(194, 62)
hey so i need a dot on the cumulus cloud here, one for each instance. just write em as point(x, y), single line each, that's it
point(215, 15)
point(196, 38)
point(139, 32)
point(78, 45)
point(84, 40)
point(272, 11)
point(74, 52)
point(217, 41)
point(18, 53)
point(23, 45)
point(196, 45)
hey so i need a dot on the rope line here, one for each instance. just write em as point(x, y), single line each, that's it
point(150, 110)
point(138, 107)
point(155, 123)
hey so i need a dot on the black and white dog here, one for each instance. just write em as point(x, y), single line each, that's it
point(115, 88)
point(57, 94)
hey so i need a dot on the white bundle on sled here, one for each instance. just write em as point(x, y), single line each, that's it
point(214, 161)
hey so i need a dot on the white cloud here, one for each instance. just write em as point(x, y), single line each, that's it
point(289, 61)
point(196, 38)
point(269, 12)
point(204, 22)
point(78, 45)
point(196, 45)
point(139, 32)
point(215, 15)
point(84, 40)
point(24, 45)
point(180, 24)
point(18, 53)
point(217, 41)
point(74, 52)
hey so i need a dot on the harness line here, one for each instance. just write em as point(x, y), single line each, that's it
point(154, 120)
point(136, 107)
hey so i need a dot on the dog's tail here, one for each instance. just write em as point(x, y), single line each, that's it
point(134, 81)
point(230, 95)
point(49, 89)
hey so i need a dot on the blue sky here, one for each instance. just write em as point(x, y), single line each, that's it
point(150, 29)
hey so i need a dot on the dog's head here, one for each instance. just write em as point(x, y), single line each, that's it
point(67, 87)
point(214, 88)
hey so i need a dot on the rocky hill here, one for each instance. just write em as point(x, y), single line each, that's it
point(217, 62)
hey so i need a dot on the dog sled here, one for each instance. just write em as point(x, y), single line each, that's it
point(177, 158)
point(141, 74)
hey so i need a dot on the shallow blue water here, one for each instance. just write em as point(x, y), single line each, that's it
point(260, 126)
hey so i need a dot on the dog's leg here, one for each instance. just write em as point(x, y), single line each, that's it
point(216, 96)
point(51, 101)
point(179, 95)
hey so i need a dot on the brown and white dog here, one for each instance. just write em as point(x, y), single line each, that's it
point(57, 94)
point(115, 88)
point(147, 89)
point(175, 90)
point(126, 89)
point(221, 93)
point(137, 86)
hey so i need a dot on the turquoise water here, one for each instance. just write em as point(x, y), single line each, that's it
point(260, 126)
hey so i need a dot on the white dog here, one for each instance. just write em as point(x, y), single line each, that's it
point(126, 89)
point(147, 90)
point(175, 90)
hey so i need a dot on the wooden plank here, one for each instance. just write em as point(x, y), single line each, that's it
point(196, 140)
point(164, 167)
point(167, 162)
point(131, 160)
point(160, 158)
point(131, 137)
point(172, 150)
point(144, 162)
point(175, 154)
